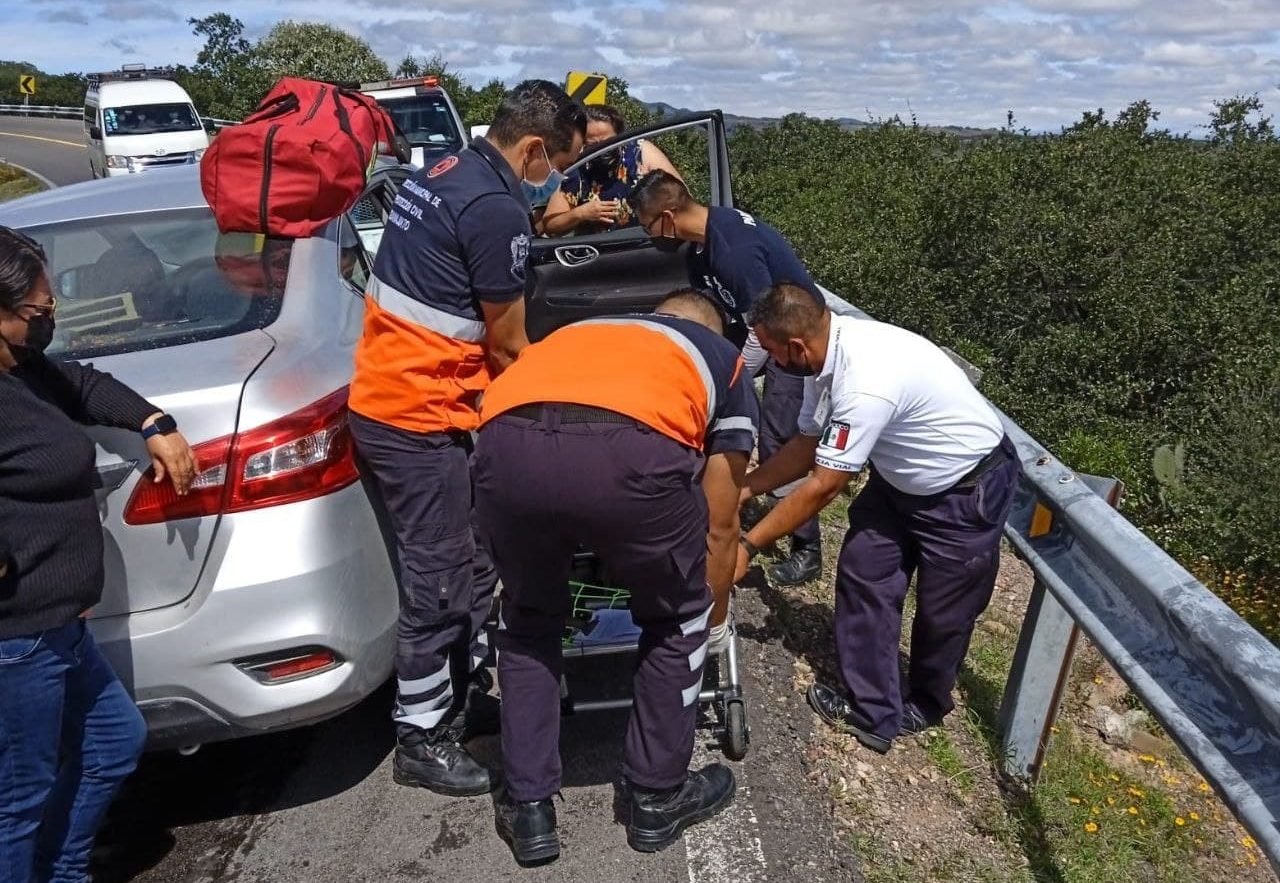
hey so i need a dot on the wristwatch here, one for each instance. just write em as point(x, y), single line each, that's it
point(163, 425)
point(752, 551)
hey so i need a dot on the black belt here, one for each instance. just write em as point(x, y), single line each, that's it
point(999, 454)
point(569, 413)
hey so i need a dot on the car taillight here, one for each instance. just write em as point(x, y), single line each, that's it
point(301, 456)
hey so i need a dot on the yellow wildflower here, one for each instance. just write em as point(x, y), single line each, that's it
point(1113, 777)
point(1146, 758)
point(1204, 786)
point(1133, 810)
point(1195, 816)
point(1179, 821)
point(1136, 792)
point(1248, 842)
point(1091, 827)
point(1073, 799)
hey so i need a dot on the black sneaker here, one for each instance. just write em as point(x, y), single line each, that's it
point(832, 706)
point(801, 566)
point(529, 829)
point(914, 720)
point(658, 817)
point(434, 760)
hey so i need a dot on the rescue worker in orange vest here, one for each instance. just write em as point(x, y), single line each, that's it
point(444, 313)
point(578, 448)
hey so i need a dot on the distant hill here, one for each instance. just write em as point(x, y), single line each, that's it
point(733, 121)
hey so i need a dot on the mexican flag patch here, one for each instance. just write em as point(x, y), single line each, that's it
point(836, 436)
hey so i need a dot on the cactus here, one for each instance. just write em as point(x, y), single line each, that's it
point(1169, 464)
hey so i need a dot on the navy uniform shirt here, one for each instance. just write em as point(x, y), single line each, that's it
point(458, 234)
point(742, 258)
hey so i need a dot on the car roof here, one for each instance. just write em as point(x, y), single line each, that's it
point(121, 93)
point(159, 190)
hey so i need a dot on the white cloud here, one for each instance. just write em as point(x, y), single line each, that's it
point(950, 61)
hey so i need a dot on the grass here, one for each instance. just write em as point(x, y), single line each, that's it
point(14, 183)
point(939, 748)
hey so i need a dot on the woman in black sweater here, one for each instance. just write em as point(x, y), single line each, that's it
point(69, 733)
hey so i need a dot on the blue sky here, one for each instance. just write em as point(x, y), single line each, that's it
point(963, 62)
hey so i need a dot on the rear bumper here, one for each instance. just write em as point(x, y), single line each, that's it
point(307, 574)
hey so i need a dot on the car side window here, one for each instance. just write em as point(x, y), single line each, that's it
point(594, 197)
point(354, 262)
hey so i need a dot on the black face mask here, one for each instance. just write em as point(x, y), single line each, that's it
point(605, 165)
point(662, 242)
point(40, 332)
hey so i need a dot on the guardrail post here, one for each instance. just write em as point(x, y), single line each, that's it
point(1041, 667)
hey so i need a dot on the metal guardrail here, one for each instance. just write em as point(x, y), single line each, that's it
point(75, 113)
point(1208, 677)
point(41, 110)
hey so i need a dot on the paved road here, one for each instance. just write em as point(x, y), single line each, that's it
point(319, 805)
point(52, 148)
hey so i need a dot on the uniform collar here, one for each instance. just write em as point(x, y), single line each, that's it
point(833, 342)
point(499, 164)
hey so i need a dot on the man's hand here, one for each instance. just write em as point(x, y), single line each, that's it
point(171, 457)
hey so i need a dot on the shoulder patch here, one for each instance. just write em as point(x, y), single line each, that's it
point(443, 166)
point(519, 253)
point(836, 435)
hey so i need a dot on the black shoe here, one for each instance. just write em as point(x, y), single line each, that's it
point(658, 817)
point(529, 829)
point(914, 720)
point(434, 760)
point(832, 706)
point(800, 566)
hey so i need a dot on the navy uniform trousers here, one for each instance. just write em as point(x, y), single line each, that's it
point(951, 541)
point(420, 485)
point(779, 423)
point(632, 496)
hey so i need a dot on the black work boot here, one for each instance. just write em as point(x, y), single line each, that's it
point(658, 817)
point(529, 829)
point(803, 564)
point(832, 705)
point(434, 760)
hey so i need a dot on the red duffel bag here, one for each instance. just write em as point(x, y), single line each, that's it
point(297, 162)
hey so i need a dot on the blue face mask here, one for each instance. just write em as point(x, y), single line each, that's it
point(539, 195)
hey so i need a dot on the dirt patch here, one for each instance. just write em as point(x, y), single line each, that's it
point(936, 807)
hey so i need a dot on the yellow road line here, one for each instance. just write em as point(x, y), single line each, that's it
point(41, 138)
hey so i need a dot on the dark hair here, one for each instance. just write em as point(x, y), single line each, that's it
point(541, 108)
point(604, 113)
point(707, 311)
point(787, 311)
point(22, 260)
point(657, 192)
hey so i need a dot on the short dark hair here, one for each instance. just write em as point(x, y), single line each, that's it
point(658, 192)
point(541, 108)
point(605, 113)
point(22, 260)
point(700, 307)
point(787, 311)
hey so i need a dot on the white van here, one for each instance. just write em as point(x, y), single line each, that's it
point(135, 120)
point(425, 114)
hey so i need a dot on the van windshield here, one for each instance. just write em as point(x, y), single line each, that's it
point(425, 121)
point(150, 119)
point(156, 279)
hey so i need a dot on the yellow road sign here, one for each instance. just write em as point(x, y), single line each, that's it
point(587, 88)
point(26, 84)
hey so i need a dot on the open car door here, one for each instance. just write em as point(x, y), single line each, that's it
point(577, 276)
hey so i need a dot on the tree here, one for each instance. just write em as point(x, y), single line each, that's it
point(318, 52)
point(1232, 121)
point(227, 81)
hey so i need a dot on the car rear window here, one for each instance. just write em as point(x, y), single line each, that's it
point(136, 282)
point(425, 121)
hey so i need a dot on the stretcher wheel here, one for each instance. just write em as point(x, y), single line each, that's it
point(736, 733)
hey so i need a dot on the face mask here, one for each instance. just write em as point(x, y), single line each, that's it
point(663, 243)
point(40, 332)
point(796, 369)
point(540, 193)
point(605, 166)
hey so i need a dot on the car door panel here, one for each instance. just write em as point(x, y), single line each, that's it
point(619, 271)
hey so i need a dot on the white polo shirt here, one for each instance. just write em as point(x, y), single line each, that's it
point(889, 396)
